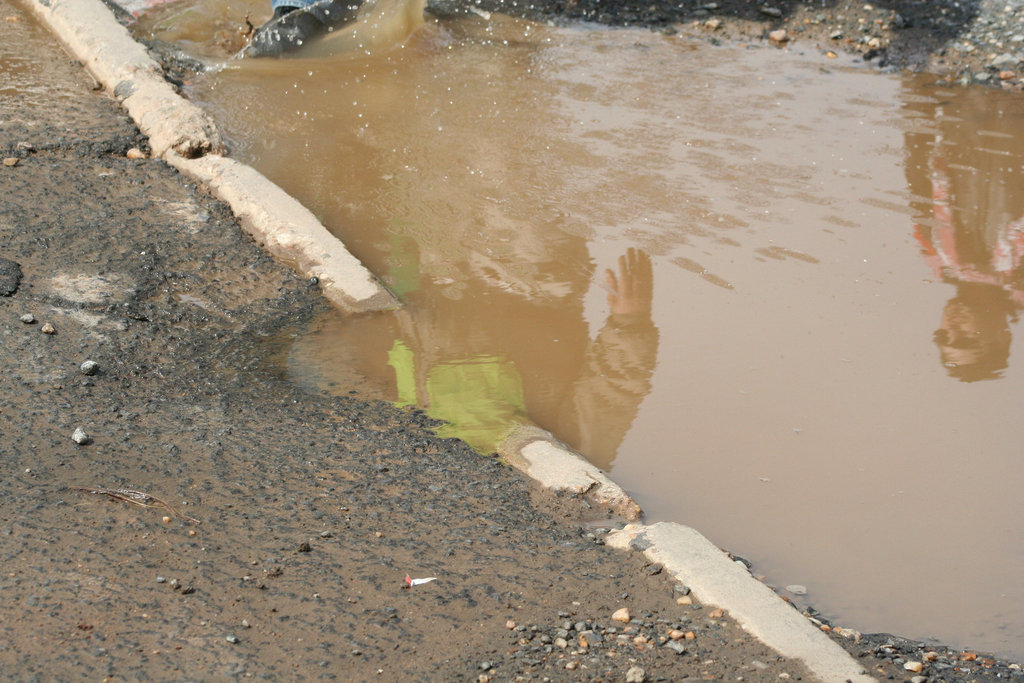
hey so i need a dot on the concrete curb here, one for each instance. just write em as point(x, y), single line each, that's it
point(686, 554)
point(289, 231)
point(716, 579)
point(542, 457)
point(91, 34)
point(183, 135)
point(187, 139)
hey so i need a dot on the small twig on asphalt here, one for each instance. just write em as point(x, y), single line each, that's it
point(139, 498)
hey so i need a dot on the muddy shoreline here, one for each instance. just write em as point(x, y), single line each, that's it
point(312, 508)
point(976, 42)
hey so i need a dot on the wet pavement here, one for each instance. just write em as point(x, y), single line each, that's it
point(311, 508)
point(692, 264)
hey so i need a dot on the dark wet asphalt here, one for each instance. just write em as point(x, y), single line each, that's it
point(312, 508)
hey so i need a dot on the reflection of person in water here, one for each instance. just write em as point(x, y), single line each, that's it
point(974, 238)
point(485, 368)
point(617, 365)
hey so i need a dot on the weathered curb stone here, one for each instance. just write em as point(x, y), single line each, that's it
point(92, 35)
point(289, 231)
point(184, 136)
point(542, 457)
point(716, 579)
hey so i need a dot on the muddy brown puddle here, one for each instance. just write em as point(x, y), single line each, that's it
point(775, 295)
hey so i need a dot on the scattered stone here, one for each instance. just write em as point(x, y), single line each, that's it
point(1007, 75)
point(161, 579)
point(636, 675)
point(485, 665)
point(47, 328)
point(690, 635)
point(28, 319)
point(11, 161)
point(836, 35)
point(848, 633)
point(10, 277)
point(684, 600)
point(717, 613)
point(305, 547)
point(919, 679)
point(510, 624)
point(89, 367)
point(713, 24)
point(779, 36)
point(232, 639)
point(771, 11)
point(80, 437)
point(561, 643)
point(797, 589)
point(916, 667)
point(676, 634)
point(135, 153)
point(682, 589)
point(622, 615)
point(571, 666)
point(1004, 61)
point(676, 647)
point(246, 624)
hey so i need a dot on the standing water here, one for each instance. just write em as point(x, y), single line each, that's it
point(773, 294)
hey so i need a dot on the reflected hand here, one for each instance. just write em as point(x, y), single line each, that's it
point(632, 289)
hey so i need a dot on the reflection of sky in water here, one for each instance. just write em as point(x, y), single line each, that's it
point(809, 225)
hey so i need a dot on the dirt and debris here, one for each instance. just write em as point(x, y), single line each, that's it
point(148, 277)
point(961, 41)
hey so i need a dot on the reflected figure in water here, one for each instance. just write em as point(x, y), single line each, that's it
point(616, 373)
point(507, 348)
point(520, 353)
point(972, 233)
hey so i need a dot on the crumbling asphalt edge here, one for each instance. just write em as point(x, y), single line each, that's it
point(186, 138)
